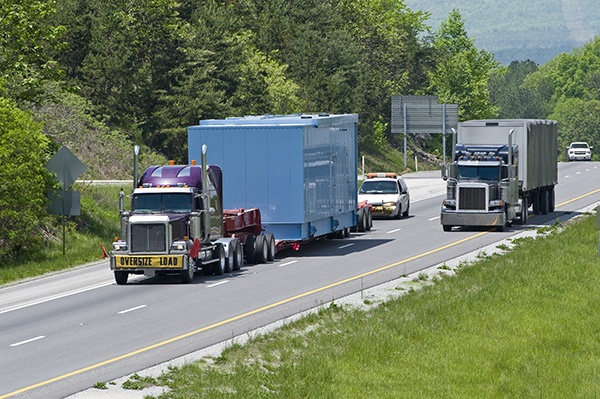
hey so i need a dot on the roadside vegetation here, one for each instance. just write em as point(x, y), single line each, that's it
point(511, 325)
point(98, 224)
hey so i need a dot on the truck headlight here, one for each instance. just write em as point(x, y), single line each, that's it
point(119, 246)
point(450, 202)
point(178, 246)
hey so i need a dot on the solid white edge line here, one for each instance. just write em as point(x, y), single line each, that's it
point(55, 297)
point(28, 340)
point(132, 309)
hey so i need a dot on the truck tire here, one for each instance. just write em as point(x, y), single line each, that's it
point(219, 267)
point(230, 257)
point(369, 217)
point(249, 249)
point(270, 247)
point(238, 260)
point(187, 276)
point(360, 220)
point(121, 277)
point(446, 227)
point(524, 210)
point(260, 249)
point(535, 202)
point(552, 204)
point(544, 201)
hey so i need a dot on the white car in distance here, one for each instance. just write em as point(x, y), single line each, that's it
point(579, 151)
point(387, 193)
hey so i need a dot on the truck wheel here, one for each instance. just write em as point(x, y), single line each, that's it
point(260, 249)
point(230, 258)
point(121, 277)
point(238, 260)
point(187, 276)
point(524, 210)
point(270, 247)
point(369, 216)
point(544, 201)
point(360, 220)
point(249, 249)
point(219, 267)
point(552, 204)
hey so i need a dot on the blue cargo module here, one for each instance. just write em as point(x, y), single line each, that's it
point(299, 170)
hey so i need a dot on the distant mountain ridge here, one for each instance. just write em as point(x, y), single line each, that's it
point(512, 30)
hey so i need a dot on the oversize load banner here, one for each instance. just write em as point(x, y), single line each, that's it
point(157, 261)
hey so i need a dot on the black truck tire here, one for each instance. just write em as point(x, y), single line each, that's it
point(187, 275)
point(270, 247)
point(260, 249)
point(249, 249)
point(238, 260)
point(219, 267)
point(121, 277)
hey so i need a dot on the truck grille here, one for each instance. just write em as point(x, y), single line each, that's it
point(472, 198)
point(148, 238)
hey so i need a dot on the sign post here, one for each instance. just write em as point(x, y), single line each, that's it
point(65, 202)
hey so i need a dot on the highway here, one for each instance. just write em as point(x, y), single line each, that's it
point(63, 333)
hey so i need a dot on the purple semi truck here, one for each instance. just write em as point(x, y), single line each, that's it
point(177, 225)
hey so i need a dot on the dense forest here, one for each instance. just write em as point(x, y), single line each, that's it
point(102, 75)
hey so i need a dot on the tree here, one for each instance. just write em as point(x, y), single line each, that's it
point(26, 40)
point(460, 75)
point(25, 182)
point(578, 120)
point(510, 96)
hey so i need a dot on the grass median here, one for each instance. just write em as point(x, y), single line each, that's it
point(523, 324)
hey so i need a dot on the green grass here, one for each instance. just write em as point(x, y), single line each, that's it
point(520, 325)
point(97, 224)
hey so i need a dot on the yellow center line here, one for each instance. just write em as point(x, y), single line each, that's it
point(262, 309)
point(235, 318)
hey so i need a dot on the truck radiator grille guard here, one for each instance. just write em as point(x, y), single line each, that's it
point(472, 198)
point(148, 238)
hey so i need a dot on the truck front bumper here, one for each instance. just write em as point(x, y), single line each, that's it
point(140, 263)
point(459, 218)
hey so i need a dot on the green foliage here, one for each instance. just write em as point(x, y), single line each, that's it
point(25, 44)
point(579, 121)
point(460, 75)
point(508, 93)
point(107, 154)
point(25, 182)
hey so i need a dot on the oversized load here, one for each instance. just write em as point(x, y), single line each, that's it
point(500, 168)
point(299, 170)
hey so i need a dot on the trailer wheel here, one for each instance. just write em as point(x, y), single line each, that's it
point(121, 277)
point(238, 260)
point(249, 249)
point(270, 247)
point(219, 267)
point(552, 204)
point(544, 201)
point(369, 216)
point(346, 232)
point(524, 210)
point(261, 251)
point(360, 220)
point(230, 258)
point(187, 276)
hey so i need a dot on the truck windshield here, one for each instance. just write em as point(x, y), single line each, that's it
point(479, 172)
point(162, 202)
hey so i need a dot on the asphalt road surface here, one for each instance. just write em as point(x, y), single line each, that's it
point(63, 333)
